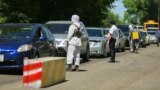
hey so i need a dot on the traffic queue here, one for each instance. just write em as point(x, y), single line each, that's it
point(19, 41)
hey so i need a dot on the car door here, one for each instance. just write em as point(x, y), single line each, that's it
point(51, 43)
point(84, 39)
point(40, 42)
point(122, 39)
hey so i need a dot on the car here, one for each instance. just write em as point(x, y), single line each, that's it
point(142, 40)
point(147, 39)
point(120, 40)
point(152, 36)
point(152, 29)
point(125, 30)
point(98, 41)
point(60, 30)
point(139, 27)
point(22, 41)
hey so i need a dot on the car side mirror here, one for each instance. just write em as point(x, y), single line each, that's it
point(42, 38)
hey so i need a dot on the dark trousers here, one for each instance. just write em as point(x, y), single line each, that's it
point(112, 49)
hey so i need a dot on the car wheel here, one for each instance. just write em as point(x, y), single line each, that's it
point(85, 57)
point(118, 49)
point(123, 49)
point(105, 54)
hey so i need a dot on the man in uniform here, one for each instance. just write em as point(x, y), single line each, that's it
point(112, 40)
point(74, 44)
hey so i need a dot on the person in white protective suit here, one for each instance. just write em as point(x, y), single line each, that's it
point(130, 40)
point(74, 44)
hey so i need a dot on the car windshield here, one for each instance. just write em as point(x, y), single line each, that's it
point(94, 33)
point(143, 34)
point(58, 28)
point(140, 27)
point(152, 30)
point(16, 32)
point(124, 29)
point(152, 33)
point(106, 32)
point(126, 33)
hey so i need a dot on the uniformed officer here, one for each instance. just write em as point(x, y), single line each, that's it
point(74, 44)
point(112, 40)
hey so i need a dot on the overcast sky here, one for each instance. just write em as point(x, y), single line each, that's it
point(119, 8)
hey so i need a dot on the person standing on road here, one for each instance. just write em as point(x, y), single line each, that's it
point(112, 40)
point(74, 44)
point(130, 39)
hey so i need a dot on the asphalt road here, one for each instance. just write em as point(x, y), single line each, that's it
point(130, 72)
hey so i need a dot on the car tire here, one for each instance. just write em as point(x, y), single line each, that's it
point(85, 57)
point(123, 49)
point(105, 54)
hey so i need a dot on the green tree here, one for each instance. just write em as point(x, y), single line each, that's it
point(115, 17)
point(91, 12)
point(141, 10)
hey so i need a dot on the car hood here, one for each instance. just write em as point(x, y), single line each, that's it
point(13, 42)
point(96, 38)
point(60, 36)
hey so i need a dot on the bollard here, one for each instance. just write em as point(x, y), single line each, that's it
point(43, 72)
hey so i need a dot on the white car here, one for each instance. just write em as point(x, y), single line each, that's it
point(139, 28)
point(152, 36)
point(120, 40)
point(60, 30)
point(147, 39)
point(97, 41)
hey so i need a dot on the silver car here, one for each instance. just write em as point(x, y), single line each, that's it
point(120, 40)
point(152, 36)
point(97, 41)
point(60, 31)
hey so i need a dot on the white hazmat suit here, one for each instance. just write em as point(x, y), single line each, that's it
point(73, 52)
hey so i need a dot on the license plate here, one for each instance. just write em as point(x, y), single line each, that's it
point(1, 58)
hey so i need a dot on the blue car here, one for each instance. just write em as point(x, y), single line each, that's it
point(20, 41)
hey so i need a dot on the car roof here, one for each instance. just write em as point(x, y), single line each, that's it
point(99, 28)
point(52, 22)
point(106, 28)
point(19, 24)
point(152, 28)
point(59, 22)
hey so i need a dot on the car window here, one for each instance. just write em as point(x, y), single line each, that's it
point(16, 32)
point(58, 28)
point(124, 29)
point(152, 33)
point(40, 32)
point(120, 34)
point(48, 33)
point(106, 32)
point(152, 30)
point(94, 33)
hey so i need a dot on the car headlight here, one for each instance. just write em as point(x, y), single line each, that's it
point(58, 42)
point(24, 48)
point(93, 44)
point(97, 44)
point(65, 43)
point(141, 40)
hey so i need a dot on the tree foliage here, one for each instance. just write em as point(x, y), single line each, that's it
point(141, 10)
point(113, 16)
point(91, 12)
